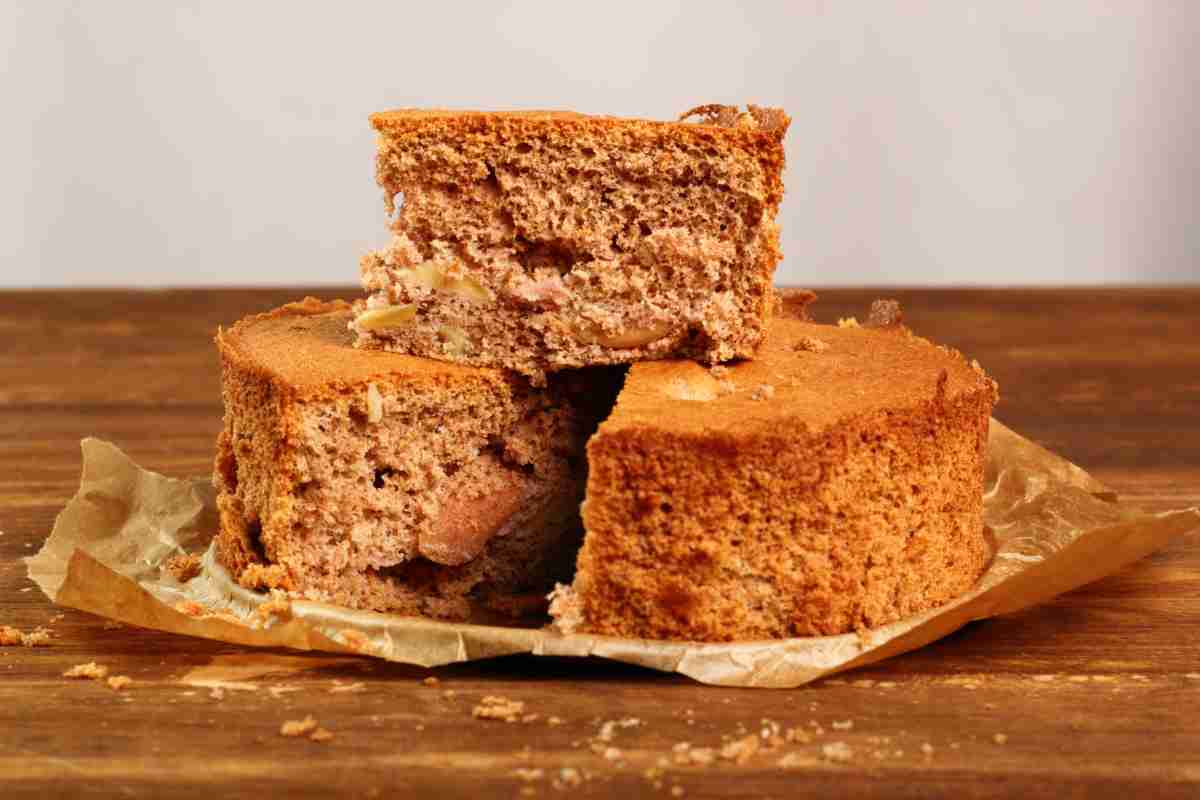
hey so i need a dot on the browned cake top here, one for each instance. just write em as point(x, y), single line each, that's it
point(806, 376)
point(307, 345)
point(761, 125)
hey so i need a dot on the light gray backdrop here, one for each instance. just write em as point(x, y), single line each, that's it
point(151, 143)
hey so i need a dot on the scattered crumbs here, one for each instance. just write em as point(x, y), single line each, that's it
point(431, 681)
point(1044, 678)
point(568, 776)
point(955, 745)
point(321, 735)
point(529, 774)
point(499, 708)
point(718, 371)
point(843, 725)
point(298, 727)
point(449, 694)
point(183, 567)
point(10, 637)
point(91, 670)
point(217, 693)
point(740, 750)
point(797, 735)
point(863, 683)
point(1000, 738)
point(341, 688)
point(764, 392)
point(552, 721)
point(1144, 679)
point(847, 322)
point(837, 752)
point(965, 681)
point(612, 753)
point(927, 749)
point(676, 791)
point(886, 685)
point(811, 344)
point(119, 682)
point(793, 760)
point(112, 625)
point(57, 618)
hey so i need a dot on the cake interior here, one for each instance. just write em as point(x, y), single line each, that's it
point(432, 494)
point(544, 246)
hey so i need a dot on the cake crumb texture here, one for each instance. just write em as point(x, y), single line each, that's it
point(538, 241)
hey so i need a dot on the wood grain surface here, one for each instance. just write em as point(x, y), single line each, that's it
point(1096, 694)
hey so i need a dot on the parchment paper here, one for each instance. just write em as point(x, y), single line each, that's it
point(1055, 528)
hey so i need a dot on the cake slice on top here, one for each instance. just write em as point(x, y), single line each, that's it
point(386, 482)
point(833, 483)
point(538, 241)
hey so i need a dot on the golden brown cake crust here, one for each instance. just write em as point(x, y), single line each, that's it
point(308, 347)
point(833, 483)
point(862, 371)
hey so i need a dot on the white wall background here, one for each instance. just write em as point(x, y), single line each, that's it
point(150, 143)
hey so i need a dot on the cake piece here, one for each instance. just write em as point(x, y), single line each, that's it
point(381, 481)
point(543, 240)
point(834, 483)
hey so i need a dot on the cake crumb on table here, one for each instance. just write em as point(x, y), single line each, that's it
point(499, 708)
point(321, 735)
point(837, 752)
point(741, 750)
point(430, 681)
point(1000, 738)
point(298, 727)
point(91, 671)
point(842, 725)
point(11, 637)
point(119, 682)
point(529, 774)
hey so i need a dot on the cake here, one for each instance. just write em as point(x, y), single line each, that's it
point(538, 241)
point(382, 481)
point(832, 484)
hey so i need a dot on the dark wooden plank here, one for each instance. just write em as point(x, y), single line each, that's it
point(1111, 378)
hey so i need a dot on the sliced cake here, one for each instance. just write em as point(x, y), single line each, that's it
point(543, 240)
point(833, 483)
point(387, 482)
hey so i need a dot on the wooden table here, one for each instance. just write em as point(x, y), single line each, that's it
point(1096, 694)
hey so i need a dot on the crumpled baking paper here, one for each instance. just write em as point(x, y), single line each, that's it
point(1055, 528)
